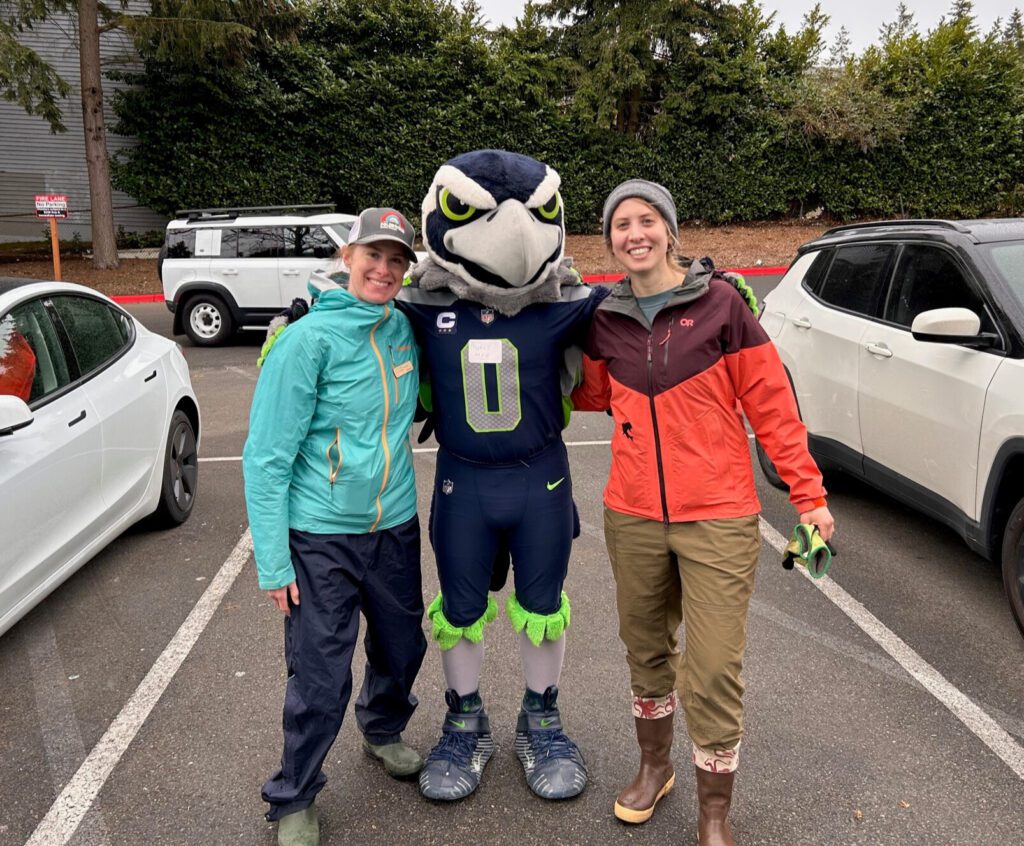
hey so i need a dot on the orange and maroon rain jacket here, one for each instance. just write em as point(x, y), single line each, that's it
point(680, 450)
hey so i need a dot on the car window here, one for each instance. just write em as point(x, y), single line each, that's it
point(342, 229)
point(98, 333)
point(929, 277)
point(815, 274)
point(309, 242)
point(857, 277)
point(181, 243)
point(228, 243)
point(1009, 261)
point(265, 242)
point(32, 363)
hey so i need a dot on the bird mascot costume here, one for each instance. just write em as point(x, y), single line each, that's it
point(500, 319)
point(495, 310)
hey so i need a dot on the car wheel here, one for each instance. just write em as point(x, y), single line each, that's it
point(1013, 563)
point(768, 468)
point(207, 320)
point(180, 473)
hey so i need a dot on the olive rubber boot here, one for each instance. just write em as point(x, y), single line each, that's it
point(400, 761)
point(299, 829)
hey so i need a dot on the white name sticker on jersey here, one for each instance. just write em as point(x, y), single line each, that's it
point(485, 351)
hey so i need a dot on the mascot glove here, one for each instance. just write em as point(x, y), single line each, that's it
point(807, 549)
point(299, 308)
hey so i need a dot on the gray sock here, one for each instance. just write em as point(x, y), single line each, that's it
point(462, 665)
point(542, 665)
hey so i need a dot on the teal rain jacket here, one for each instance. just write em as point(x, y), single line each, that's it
point(328, 448)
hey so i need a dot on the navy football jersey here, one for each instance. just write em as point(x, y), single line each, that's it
point(495, 379)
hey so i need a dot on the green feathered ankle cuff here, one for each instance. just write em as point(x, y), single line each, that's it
point(538, 626)
point(448, 635)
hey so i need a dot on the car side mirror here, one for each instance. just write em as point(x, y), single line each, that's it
point(952, 326)
point(14, 415)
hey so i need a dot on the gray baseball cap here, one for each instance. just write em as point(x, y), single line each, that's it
point(383, 225)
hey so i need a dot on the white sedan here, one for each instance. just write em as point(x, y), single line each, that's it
point(99, 427)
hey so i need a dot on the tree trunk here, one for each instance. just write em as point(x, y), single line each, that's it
point(104, 243)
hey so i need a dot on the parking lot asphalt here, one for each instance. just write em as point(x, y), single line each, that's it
point(844, 743)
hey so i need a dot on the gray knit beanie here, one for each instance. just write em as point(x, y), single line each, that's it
point(650, 192)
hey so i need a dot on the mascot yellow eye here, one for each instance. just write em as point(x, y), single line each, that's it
point(453, 207)
point(550, 210)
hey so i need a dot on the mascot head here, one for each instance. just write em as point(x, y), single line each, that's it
point(495, 219)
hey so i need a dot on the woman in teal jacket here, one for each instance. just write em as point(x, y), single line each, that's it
point(331, 498)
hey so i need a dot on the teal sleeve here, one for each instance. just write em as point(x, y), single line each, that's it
point(282, 408)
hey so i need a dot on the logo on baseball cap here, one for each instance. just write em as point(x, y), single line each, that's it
point(383, 225)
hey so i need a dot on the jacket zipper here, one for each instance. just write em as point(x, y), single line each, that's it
point(394, 376)
point(654, 422)
point(384, 425)
point(332, 476)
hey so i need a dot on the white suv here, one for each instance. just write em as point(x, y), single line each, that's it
point(904, 342)
point(228, 269)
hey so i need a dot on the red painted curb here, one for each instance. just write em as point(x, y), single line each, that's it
point(760, 271)
point(138, 298)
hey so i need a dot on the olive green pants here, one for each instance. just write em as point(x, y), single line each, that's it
point(700, 573)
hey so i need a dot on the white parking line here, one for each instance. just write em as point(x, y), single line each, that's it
point(981, 724)
point(74, 801)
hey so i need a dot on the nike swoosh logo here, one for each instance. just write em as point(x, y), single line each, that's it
point(553, 485)
point(546, 721)
point(460, 723)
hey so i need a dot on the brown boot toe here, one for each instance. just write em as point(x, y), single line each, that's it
point(636, 803)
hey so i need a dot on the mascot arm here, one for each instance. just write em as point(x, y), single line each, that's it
point(424, 409)
point(738, 282)
point(299, 308)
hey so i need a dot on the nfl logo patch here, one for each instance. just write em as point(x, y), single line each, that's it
point(447, 487)
point(487, 316)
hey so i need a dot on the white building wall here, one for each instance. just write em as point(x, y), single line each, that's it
point(35, 161)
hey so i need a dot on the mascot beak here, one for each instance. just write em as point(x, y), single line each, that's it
point(509, 242)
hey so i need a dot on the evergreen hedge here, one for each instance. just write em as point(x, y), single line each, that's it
point(374, 95)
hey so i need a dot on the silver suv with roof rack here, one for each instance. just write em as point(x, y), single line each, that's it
point(904, 341)
point(225, 269)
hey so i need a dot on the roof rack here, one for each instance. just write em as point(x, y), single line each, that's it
point(236, 211)
point(942, 224)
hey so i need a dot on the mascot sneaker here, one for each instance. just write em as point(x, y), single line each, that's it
point(553, 764)
point(455, 765)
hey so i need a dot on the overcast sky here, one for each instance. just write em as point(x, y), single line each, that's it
point(861, 18)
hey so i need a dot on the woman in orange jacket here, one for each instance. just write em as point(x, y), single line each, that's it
point(671, 352)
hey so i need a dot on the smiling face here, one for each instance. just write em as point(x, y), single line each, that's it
point(376, 270)
point(639, 238)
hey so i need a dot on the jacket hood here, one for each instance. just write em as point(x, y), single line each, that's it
point(694, 286)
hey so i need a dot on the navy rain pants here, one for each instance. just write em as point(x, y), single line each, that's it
point(338, 576)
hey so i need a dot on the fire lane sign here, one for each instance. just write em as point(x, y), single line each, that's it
point(52, 205)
